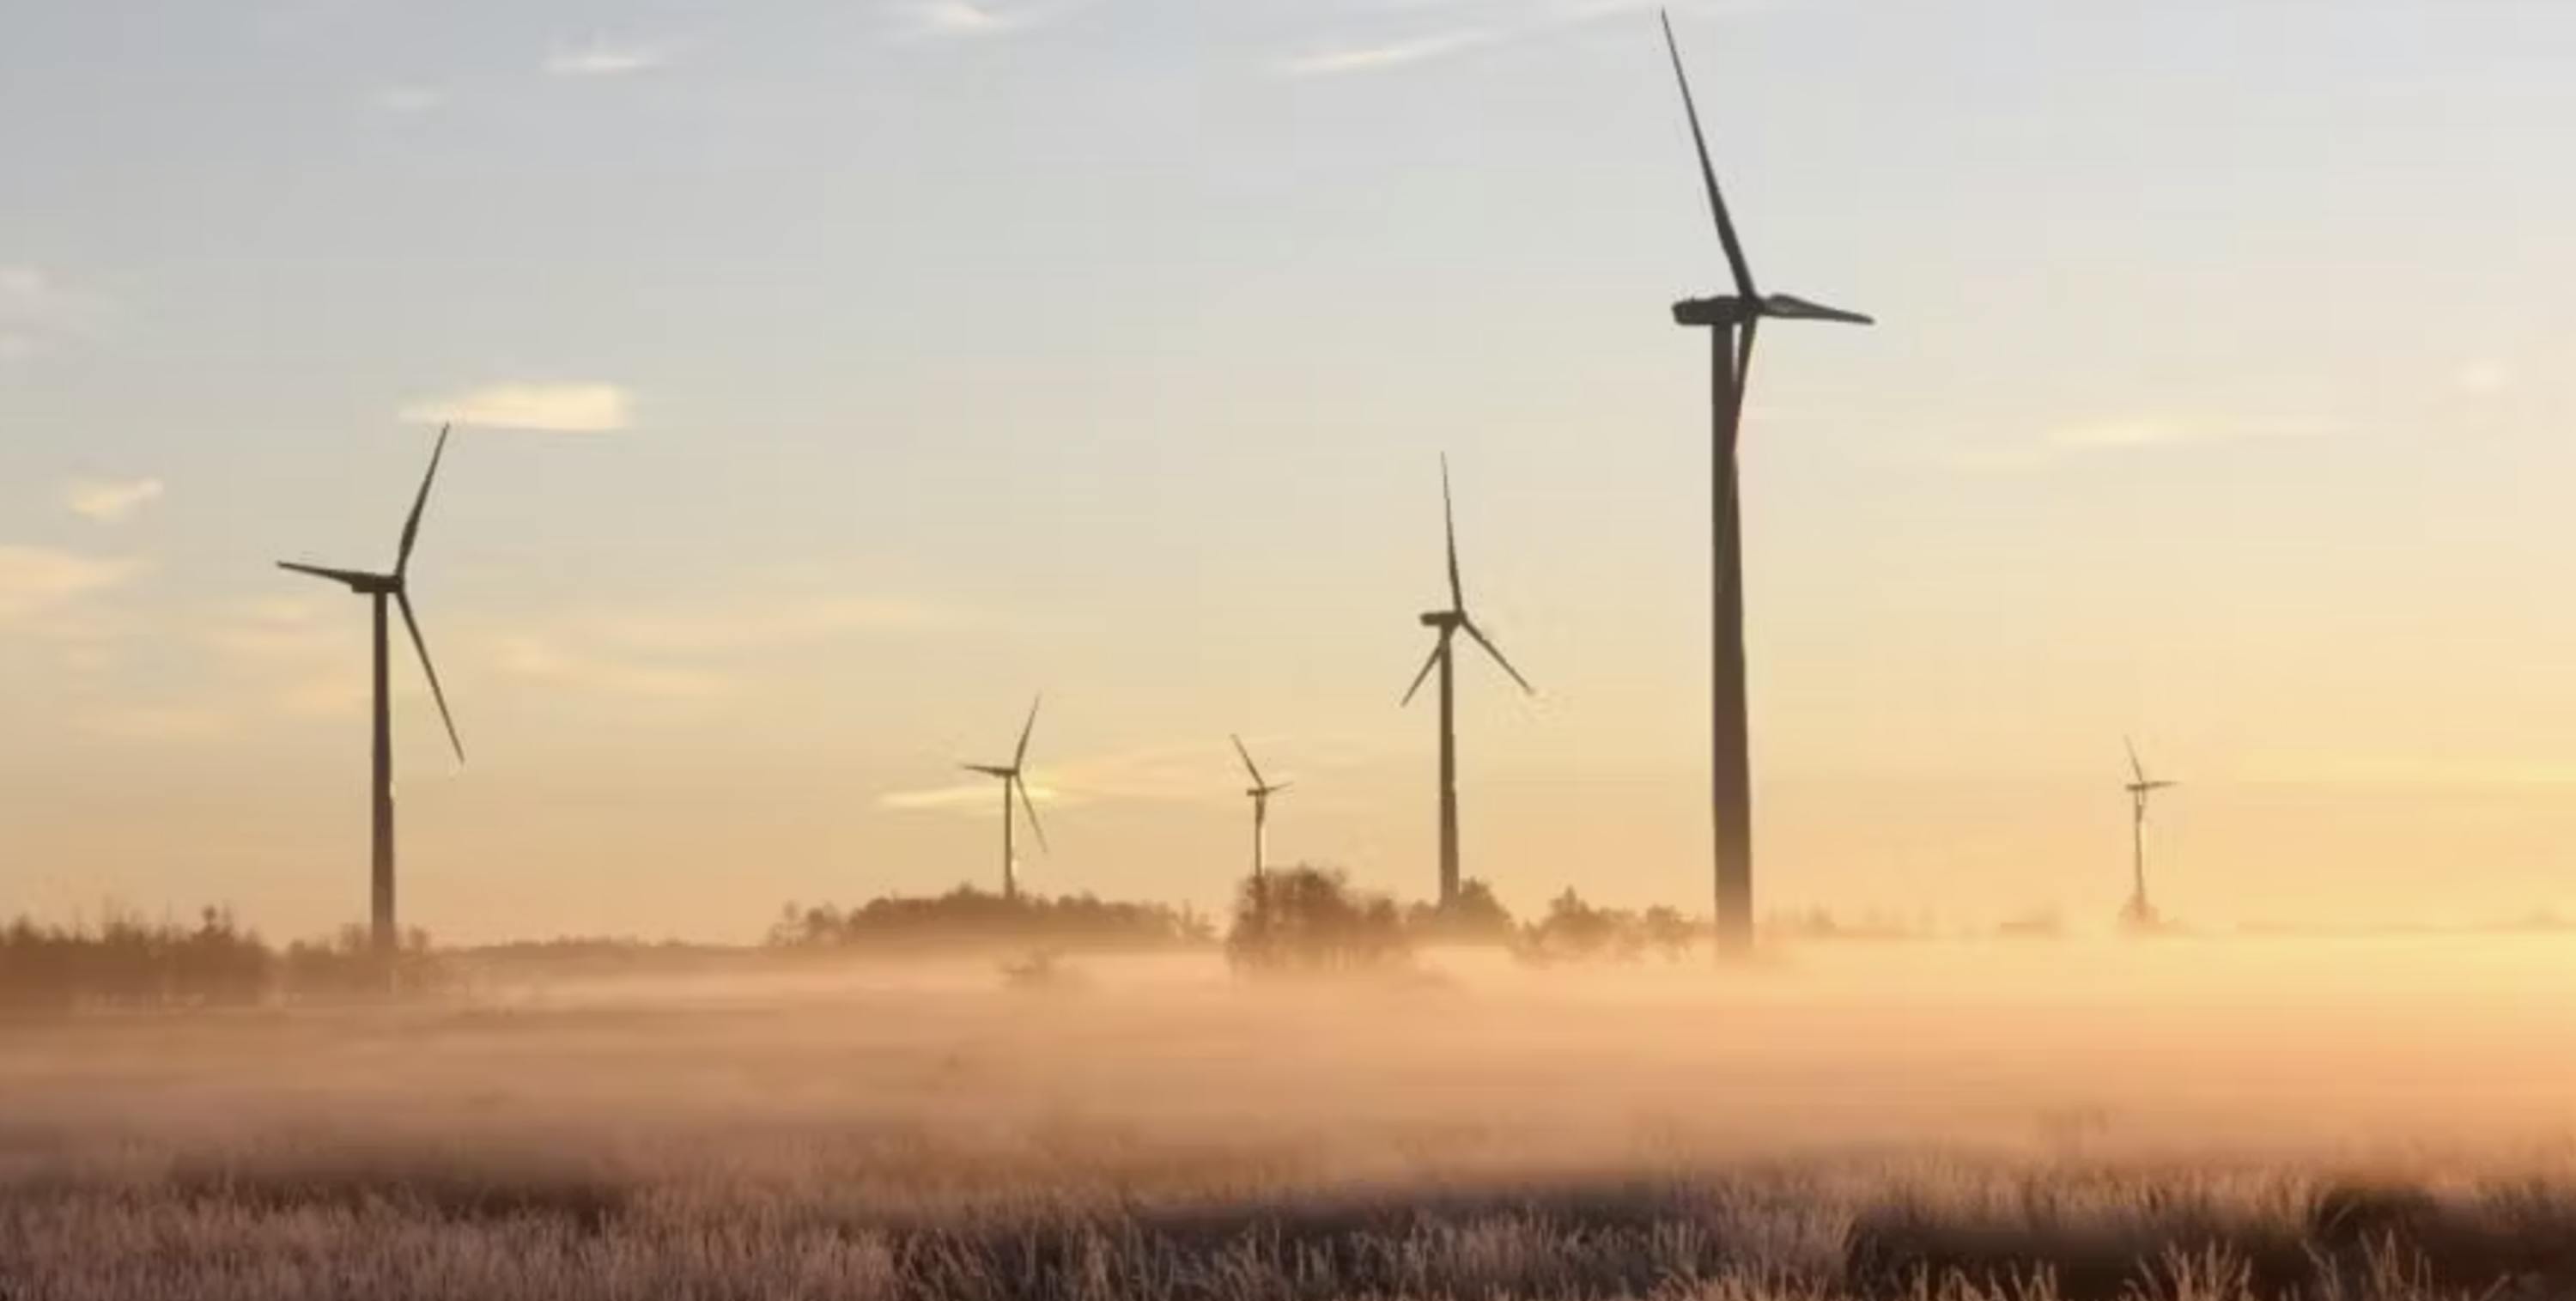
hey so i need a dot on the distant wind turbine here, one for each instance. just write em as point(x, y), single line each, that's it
point(1260, 792)
point(1015, 790)
point(2139, 912)
point(1732, 320)
point(1450, 623)
point(380, 588)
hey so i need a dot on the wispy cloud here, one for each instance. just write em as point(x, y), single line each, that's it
point(1501, 21)
point(1183, 772)
point(110, 501)
point(550, 408)
point(1393, 54)
point(298, 657)
point(978, 796)
point(274, 629)
point(765, 625)
point(409, 99)
point(2153, 431)
point(605, 59)
point(37, 311)
point(958, 18)
point(160, 723)
point(542, 659)
point(40, 580)
point(2483, 377)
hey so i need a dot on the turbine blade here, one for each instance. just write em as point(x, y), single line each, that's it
point(1020, 756)
point(1497, 653)
point(986, 769)
point(1280, 788)
point(1425, 674)
point(1030, 807)
point(1799, 309)
point(1449, 524)
point(2135, 766)
point(1248, 765)
point(439, 693)
point(1708, 175)
point(411, 526)
point(352, 579)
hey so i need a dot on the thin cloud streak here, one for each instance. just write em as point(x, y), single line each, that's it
point(1179, 773)
point(2140, 432)
point(606, 60)
point(771, 625)
point(544, 408)
point(539, 659)
point(1378, 58)
point(2484, 377)
point(1430, 48)
point(37, 310)
point(160, 723)
point(408, 99)
point(40, 580)
point(110, 502)
point(973, 798)
point(959, 19)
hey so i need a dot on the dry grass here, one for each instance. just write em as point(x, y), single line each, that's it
point(1158, 1133)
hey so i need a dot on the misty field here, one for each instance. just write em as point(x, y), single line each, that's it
point(2329, 1119)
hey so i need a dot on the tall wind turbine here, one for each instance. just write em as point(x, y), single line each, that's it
point(2139, 912)
point(1732, 321)
point(1260, 792)
point(379, 589)
point(1015, 791)
point(1449, 623)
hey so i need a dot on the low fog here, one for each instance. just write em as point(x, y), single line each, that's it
point(1170, 1076)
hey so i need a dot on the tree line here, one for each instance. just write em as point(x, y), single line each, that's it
point(127, 962)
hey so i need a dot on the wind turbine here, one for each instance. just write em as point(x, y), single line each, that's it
point(1015, 790)
point(1449, 623)
point(2139, 912)
point(379, 589)
point(1260, 792)
point(1732, 321)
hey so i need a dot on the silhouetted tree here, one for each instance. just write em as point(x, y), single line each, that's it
point(1310, 919)
point(970, 918)
point(1670, 933)
point(130, 963)
point(1474, 917)
point(1575, 931)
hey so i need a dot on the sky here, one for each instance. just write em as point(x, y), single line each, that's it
point(832, 378)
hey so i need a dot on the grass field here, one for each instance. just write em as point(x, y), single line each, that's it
point(2332, 1119)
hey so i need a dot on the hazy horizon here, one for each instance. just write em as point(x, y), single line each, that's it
point(832, 378)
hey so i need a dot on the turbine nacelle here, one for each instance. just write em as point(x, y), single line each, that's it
point(1446, 620)
point(360, 582)
point(1732, 310)
point(1261, 788)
